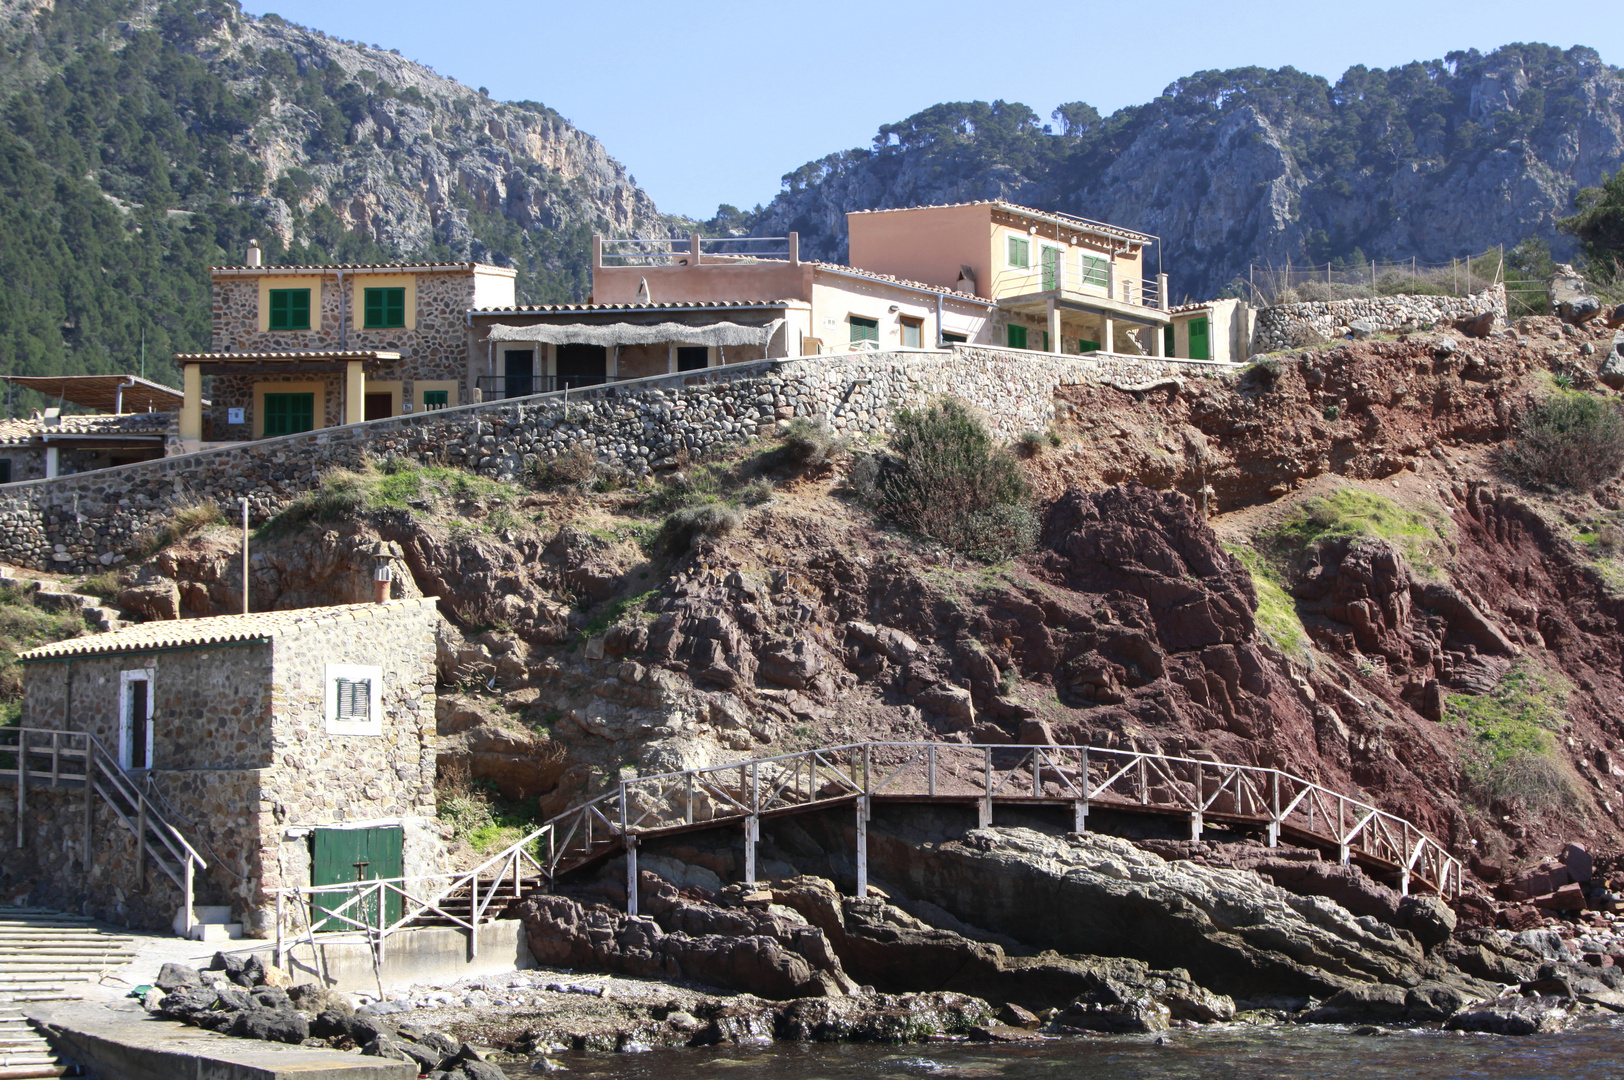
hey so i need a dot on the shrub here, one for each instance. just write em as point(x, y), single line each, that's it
point(104, 585)
point(809, 444)
point(341, 494)
point(1510, 758)
point(1609, 538)
point(1348, 513)
point(686, 527)
point(183, 521)
point(945, 479)
point(577, 467)
point(1031, 443)
point(1569, 440)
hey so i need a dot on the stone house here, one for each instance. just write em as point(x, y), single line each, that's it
point(130, 419)
point(296, 348)
point(279, 744)
point(1218, 330)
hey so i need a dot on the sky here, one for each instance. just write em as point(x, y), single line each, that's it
point(713, 101)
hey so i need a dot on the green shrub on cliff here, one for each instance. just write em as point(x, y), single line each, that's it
point(1276, 610)
point(1349, 513)
point(945, 479)
point(1570, 440)
point(24, 625)
point(1509, 757)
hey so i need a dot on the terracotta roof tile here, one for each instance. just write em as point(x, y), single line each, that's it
point(29, 428)
point(215, 630)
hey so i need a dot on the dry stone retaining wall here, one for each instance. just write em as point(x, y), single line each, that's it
point(93, 520)
point(1290, 326)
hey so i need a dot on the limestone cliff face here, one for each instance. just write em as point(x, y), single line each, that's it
point(1434, 160)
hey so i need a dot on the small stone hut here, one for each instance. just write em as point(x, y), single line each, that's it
point(285, 746)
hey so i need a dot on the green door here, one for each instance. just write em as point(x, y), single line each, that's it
point(343, 855)
point(1017, 336)
point(1051, 268)
point(1199, 349)
point(1168, 339)
point(289, 414)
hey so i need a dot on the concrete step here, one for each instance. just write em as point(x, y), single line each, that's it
point(217, 932)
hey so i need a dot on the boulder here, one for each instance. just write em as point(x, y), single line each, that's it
point(387, 1046)
point(1570, 297)
point(952, 702)
point(1428, 918)
point(253, 972)
point(1115, 1010)
point(1476, 326)
point(173, 977)
point(1015, 1016)
point(271, 1025)
point(896, 645)
point(315, 998)
point(1362, 329)
point(1371, 1003)
point(1615, 318)
point(1612, 367)
point(156, 601)
point(1432, 1001)
point(1511, 1016)
point(330, 1024)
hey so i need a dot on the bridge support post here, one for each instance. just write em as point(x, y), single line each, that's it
point(752, 833)
point(984, 813)
point(1274, 808)
point(862, 847)
point(1274, 834)
point(1195, 826)
point(1342, 854)
point(1079, 815)
point(631, 874)
point(1404, 882)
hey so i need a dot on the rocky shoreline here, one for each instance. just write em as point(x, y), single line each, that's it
point(795, 960)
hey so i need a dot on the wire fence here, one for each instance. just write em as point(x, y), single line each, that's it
point(1271, 285)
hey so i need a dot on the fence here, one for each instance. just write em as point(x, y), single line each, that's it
point(1271, 285)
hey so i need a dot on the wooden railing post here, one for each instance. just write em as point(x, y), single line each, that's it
point(22, 781)
point(140, 842)
point(90, 805)
point(862, 847)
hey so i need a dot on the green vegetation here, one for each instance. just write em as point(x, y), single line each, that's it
point(183, 521)
point(1510, 759)
point(1571, 440)
point(1599, 222)
point(684, 528)
point(809, 444)
point(1349, 513)
point(23, 626)
point(943, 478)
point(393, 485)
point(614, 612)
point(1276, 610)
point(479, 814)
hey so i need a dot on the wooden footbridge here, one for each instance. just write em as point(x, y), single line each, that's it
point(1077, 779)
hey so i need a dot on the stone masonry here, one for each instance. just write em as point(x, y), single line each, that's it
point(83, 523)
point(1290, 326)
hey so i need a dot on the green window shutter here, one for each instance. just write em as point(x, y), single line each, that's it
point(1167, 340)
point(354, 699)
point(289, 414)
point(864, 329)
point(436, 399)
point(289, 309)
point(1094, 271)
point(954, 339)
point(1088, 346)
point(385, 308)
point(1017, 337)
point(1046, 341)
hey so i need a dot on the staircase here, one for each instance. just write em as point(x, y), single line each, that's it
point(45, 956)
point(494, 898)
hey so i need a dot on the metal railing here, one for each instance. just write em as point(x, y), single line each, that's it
point(59, 758)
point(674, 250)
point(1071, 275)
point(494, 387)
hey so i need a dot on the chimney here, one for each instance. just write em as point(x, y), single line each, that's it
point(253, 253)
point(642, 290)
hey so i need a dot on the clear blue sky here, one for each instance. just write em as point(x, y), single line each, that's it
point(712, 101)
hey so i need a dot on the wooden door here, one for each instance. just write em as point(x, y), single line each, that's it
point(379, 406)
point(582, 365)
point(338, 856)
point(1200, 348)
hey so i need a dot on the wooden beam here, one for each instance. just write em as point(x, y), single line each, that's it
point(335, 367)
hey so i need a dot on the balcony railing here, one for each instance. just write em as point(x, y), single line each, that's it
point(494, 387)
point(1094, 279)
point(672, 251)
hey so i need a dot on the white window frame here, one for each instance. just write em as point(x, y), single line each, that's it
point(373, 724)
point(1011, 238)
point(125, 678)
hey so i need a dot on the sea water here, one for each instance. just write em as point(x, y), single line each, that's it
point(1592, 1050)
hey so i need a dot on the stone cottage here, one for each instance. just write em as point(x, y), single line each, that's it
point(289, 748)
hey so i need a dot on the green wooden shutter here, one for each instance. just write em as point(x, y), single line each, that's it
point(864, 329)
point(289, 414)
point(436, 399)
point(1051, 267)
point(1017, 336)
point(1168, 339)
point(279, 309)
point(385, 308)
point(289, 309)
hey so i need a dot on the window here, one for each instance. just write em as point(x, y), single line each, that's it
point(913, 333)
point(1020, 252)
point(864, 329)
point(954, 339)
point(1086, 346)
point(354, 697)
point(1050, 257)
point(290, 309)
point(289, 414)
point(436, 399)
point(135, 719)
point(1017, 337)
point(5, 470)
point(692, 357)
point(1168, 339)
point(385, 308)
point(1095, 271)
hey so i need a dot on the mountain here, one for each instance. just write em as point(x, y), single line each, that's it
point(1432, 160)
point(142, 141)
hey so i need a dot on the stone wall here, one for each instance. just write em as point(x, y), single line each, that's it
point(84, 523)
point(1291, 326)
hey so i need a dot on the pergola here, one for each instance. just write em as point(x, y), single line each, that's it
point(105, 393)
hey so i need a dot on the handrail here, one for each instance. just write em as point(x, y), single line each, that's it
point(100, 771)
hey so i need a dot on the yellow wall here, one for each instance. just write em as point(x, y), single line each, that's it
point(1007, 280)
point(420, 385)
point(319, 389)
point(305, 281)
point(363, 282)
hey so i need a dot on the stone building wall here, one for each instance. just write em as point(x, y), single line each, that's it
point(1290, 326)
point(82, 523)
point(326, 779)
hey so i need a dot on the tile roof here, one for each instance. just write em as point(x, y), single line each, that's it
point(889, 279)
point(397, 267)
point(104, 392)
point(1070, 221)
point(215, 630)
point(30, 428)
point(310, 354)
point(720, 305)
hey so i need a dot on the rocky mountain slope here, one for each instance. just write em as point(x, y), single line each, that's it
point(1433, 160)
point(146, 140)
